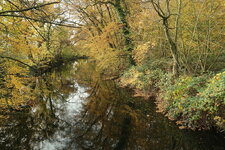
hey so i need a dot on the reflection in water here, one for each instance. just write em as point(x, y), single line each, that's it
point(76, 110)
point(64, 112)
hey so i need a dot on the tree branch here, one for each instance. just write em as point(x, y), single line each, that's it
point(10, 58)
point(27, 9)
point(38, 20)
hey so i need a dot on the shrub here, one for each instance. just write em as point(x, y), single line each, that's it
point(142, 78)
point(180, 101)
point(214, 99)
point(195, 102)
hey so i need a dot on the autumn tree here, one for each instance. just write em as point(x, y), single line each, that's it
point(29, 42)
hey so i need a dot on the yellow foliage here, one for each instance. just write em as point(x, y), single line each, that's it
point(110, 60)
point(24, 41)
point(142, 52)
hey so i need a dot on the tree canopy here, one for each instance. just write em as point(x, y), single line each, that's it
point(175, 48)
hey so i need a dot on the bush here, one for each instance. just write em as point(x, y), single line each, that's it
point(180, 100)
point(142, 78)
point(195, 102)
point(214, 99)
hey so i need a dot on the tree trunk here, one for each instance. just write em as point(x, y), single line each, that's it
point(173, 48)
point(125, 29)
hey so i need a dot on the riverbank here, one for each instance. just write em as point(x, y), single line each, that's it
point(194, 102)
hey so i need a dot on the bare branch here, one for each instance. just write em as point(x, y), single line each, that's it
point(10, 58)
point(39, 20)
point(27, 9)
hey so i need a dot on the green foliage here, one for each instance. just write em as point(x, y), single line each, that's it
point(142, 78)
point(196, 102)
point(214, 99)
point(180, 100)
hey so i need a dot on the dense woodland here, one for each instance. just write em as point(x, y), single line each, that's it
point(173, 50)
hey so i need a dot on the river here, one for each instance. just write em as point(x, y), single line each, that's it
point(75, 109)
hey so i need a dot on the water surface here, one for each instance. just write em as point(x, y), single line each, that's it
point(75, 109)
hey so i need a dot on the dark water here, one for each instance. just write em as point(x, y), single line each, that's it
point(77, 110)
